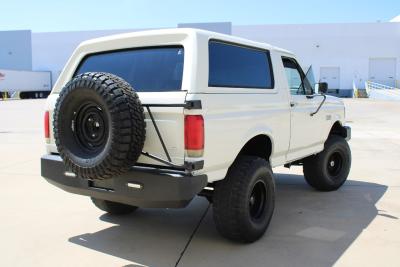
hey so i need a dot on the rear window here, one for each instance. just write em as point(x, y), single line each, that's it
point(236, 66)
point(147, 70)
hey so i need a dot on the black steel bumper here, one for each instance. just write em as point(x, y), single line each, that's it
point(141, 186)
point(347, 133)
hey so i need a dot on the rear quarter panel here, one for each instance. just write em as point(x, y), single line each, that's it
point(233, 116)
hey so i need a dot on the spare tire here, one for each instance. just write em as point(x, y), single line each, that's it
point(99, 126)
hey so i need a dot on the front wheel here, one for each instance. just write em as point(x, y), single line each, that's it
point(328, 170)
point(113, 208)
point(243, 202)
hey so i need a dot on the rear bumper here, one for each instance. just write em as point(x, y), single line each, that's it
point(141, 186)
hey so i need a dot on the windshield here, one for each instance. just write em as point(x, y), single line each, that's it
point(146, 69)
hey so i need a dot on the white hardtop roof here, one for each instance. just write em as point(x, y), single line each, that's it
point(184, 31)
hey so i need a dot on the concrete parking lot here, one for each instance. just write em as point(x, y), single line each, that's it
point(357, 225)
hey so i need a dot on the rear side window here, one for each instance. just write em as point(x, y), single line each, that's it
point(147, 70)
point(236, 66)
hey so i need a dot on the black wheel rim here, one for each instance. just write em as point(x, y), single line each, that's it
point(257, 200)
point(90, 127)
point(335, 164)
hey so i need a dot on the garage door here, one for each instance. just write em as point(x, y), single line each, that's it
point(330, 75)
point(382, 70)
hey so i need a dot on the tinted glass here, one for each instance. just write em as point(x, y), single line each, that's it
point(147, 70)
point(235, 66)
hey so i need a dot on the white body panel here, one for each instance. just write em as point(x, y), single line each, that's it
point(232, 116)
point(24, 81)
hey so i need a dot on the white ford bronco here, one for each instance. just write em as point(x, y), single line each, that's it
point(152, 119)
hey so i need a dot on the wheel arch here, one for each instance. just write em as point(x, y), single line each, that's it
point(260, 145)
point(338, 129)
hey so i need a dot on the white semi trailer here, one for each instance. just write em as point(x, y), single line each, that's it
point(29, 84)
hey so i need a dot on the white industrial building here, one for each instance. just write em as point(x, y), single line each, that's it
point(344, 54)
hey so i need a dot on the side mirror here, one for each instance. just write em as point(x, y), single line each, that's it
point(323, 88)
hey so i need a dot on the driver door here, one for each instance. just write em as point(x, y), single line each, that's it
point(304, 132)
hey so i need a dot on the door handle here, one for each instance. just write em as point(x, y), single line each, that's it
point(292, 103)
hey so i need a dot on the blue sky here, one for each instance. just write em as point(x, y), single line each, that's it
point(46, 15)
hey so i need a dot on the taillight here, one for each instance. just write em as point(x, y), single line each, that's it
point(47, 125)
point(194, 135)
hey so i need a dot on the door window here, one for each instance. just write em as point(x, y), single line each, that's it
point(295, 78)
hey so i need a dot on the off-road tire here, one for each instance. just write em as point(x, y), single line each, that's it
point(320, 170)
point(119, 117)
point(113, 208)
point(233, 213)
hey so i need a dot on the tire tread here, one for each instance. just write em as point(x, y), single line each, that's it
point(228, 204)
point(314, 165)
point(129, 129)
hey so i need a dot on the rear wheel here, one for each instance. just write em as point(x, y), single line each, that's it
point(244, 201)
point(113, 208)
point(328, 170)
